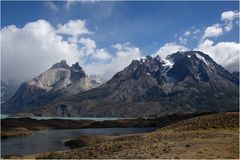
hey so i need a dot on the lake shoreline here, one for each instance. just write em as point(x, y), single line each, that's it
point(214, 136)
point(9, 124)
point(54, 140)
point(176, 134)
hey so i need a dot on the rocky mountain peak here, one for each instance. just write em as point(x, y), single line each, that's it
point(188, 54)
point(133, 65)
point(175, 68)
point(59, 80)
point(182, 82)
point(236, 74)
point(76, 67)
point(146, 60)
point(61, 64)
point(158, 58)
point(77, 72)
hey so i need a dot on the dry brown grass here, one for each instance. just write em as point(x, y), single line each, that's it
point(210, 136)
point(15, 132)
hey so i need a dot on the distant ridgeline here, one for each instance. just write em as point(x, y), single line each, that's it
point(183, 82)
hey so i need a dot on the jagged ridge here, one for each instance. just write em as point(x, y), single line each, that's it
point(183, 82)
point(60, 80)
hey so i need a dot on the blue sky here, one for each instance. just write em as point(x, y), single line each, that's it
point(138, 29)
point(144, 24)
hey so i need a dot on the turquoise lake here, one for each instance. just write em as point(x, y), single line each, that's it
point(4, 116)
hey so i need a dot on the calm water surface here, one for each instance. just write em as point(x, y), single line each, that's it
point(51, 140)
point(4, 116)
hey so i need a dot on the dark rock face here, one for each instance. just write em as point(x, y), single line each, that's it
point(76, 72)
point(25, 95)
point(184, 82)
point(60, 80)
point(236, 75)
point(181, 69)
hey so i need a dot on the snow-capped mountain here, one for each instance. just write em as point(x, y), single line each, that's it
point(60, 80)
point(200, 65)
point(183, 82)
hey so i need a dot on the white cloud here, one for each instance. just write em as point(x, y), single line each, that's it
point(32, 49)
point(123, 58)
point(187, 33)
point(89, 45)
point(192, 34)
point(28, 51)
point(228, 18)
point(73, 28)
point(228, 27)
point(52, 6)
point(90, 49)
point(126, 50)
point(102, 54)
point(196, 31)
point(183, 40)
point(229, 15)
point(124, 55)
point(224, 53)
point(169, 48)
point(212, 31)
point(71, 3)
point(89, 1)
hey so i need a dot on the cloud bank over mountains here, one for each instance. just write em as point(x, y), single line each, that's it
point(28, 51)
point(225, 53)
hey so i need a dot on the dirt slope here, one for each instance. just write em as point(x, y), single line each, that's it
point(209, 136)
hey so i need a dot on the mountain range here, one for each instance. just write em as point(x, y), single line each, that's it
point(58, 81)
point(183, 82)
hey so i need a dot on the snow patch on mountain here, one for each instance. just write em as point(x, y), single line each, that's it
point(202, 58)
point(168, 62)
point(208, 63)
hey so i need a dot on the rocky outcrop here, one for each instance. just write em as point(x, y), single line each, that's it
point(60, 80)
point(183, 82)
